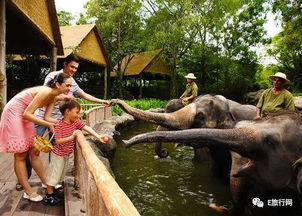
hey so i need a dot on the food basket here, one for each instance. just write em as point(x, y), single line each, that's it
point(42, 144)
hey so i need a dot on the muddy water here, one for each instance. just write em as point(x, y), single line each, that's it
point(176, 186)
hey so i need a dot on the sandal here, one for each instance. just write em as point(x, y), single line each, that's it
point(33, 197)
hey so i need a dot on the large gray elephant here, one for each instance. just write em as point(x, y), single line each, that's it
point(206, 111)
point(265, 155)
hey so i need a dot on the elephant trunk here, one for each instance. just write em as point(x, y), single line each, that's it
point(168, 120)
point(237, 140)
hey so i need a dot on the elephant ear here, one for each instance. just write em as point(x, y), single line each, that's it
point(233, 113)
point(227, 122)
point(229, 119)
point(224, 118)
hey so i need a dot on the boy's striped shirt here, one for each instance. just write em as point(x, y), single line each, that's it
point(64, 129)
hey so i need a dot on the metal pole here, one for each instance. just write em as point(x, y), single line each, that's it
point(3, 93)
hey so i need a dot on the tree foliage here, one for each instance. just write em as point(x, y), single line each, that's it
point(216, 40)
point(120, 24)
point(64, 18)
point(287, 45)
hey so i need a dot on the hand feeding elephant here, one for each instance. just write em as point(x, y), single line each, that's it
point(206, 111)
point(264, 153)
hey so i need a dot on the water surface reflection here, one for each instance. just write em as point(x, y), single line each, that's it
point(175, 186)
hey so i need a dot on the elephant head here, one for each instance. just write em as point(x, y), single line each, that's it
point(271, 145)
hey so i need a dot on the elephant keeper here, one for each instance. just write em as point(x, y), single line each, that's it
point(277, 98)
point(191, 90)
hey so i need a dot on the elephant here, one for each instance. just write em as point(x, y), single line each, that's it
point(265, 156)
point(206, 111)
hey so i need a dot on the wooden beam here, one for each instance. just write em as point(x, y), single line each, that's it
point(2, 54)
point(105, 83)
point(53, 59)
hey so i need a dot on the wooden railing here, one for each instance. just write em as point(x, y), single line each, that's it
point(86, 107)
point(96, 115)
point(100, 194)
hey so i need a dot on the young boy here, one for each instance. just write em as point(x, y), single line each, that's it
point(66, 130)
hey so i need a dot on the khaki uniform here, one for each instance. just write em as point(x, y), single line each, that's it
point(191, 89)
point(270, 103)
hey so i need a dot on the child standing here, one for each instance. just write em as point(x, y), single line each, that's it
point(66, 130)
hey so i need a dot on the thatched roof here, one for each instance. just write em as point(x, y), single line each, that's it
point(85, 42)
point(32, 27)
point(145, 62)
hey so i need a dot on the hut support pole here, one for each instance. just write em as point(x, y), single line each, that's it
point(105, 83)
point(140, 86)
point(2, 55)
point(53, 59)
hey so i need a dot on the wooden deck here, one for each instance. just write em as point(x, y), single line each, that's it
point(11, 201)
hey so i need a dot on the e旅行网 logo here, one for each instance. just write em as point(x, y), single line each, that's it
point(257, 202)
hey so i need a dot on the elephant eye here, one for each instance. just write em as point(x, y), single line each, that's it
point(270, 142)
point(199, 118)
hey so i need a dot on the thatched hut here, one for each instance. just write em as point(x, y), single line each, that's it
point(85, 42)
point(143, 66)
point(28, 27)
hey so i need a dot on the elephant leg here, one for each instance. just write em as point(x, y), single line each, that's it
point(242, 190)
point(222, 160)
point(202, 155)
point(161, 152)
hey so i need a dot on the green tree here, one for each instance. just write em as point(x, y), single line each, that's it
point(211, 38)
point(171, 26)
point(225, 30)
point(240, 32)
point(82, 20)
point(262, 75)
point(65, 18)
point(287, 48)
point(120, 24)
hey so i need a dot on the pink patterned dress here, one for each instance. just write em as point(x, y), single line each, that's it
point(16, 133)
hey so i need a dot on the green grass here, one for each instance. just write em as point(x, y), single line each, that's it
point(143, 104)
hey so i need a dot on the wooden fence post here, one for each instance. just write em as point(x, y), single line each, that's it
point(106, 83)
point(53, 59)
point(2, 54)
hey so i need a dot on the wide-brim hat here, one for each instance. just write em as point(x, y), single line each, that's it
point(190, 76)
point(280, 75)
